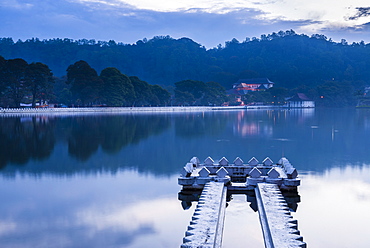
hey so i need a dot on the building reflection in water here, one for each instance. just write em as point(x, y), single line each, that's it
point(262, 122)
point(247, 125)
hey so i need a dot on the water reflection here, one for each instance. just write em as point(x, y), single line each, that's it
point(111, 211)
point(34, 138)
point(22, 139)
point(94, 143)
point(334, 212)
point(187, 197)
point(111, 180)
point(111, 133)
point(189, 126)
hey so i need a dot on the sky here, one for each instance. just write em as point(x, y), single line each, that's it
point(207, 22)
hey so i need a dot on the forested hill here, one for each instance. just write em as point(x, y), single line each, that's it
point(286, 58)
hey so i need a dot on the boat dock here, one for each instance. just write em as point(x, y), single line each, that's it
point(271, 189)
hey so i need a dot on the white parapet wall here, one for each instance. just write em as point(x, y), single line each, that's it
point(116, 109)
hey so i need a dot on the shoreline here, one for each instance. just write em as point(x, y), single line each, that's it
point(117, 109)
point(173, 109)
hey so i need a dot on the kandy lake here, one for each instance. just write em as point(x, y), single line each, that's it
point(104, 180)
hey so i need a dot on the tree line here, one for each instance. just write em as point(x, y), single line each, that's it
point(20, 81)
point(110, 88)
point(286, 58)
point(33, 83)
point(327, 71)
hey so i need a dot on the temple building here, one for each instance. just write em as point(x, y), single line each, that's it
point(243, 86)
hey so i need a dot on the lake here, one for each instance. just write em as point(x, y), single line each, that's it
point(111, 180)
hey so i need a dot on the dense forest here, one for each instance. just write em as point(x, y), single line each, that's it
point(33, 85)
point(314, 65)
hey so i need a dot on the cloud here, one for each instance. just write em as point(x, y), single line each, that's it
point(209, 23)
point(361, 12)
point(104, 4)
point(62, 232)
point(15, 4)
point(356, 33)
point(103, 21)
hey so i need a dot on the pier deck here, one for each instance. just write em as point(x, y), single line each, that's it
point(279, 228)
point(206, 227)
point(217, 181)
point(239, 176)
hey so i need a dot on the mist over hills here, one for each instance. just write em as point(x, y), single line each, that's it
point(286, 58)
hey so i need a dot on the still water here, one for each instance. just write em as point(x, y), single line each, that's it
point(111, 180)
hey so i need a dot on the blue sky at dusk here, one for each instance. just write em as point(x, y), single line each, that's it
point(207, 22)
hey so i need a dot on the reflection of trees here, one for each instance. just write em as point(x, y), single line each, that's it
point(83, 139)
point(111, 133)
point(339, 137)
point(24, 138)
point(117, 133)
point(311, 140)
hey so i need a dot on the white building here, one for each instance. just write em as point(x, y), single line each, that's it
point(299, 100)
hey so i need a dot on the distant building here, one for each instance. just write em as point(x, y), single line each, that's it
point(364, 101)
point(299, 100)
point(366, 91)
point(243, 86)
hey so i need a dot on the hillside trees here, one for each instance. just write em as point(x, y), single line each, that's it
point(2, 74)
point(117, 88)
point(16, 80)
point(215, 94)
point(191, 92)
point(162, 95)
point(196, 88)
point(164, 60)
point(21, 82)
point(184, 97)
point(40, 82)
point(147, 94)
point(85, 83)
point(142, 91)
point(111, 88)
point(287, 58)
point(335, 94)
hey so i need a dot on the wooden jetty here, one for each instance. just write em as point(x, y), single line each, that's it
point(264, 182)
